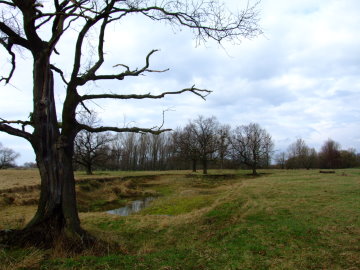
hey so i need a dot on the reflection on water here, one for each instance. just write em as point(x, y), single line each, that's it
point(134, 207)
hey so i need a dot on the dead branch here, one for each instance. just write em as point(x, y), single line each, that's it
point(116, 129)
point(90, 75)
point(203, 93)
point(60, 72)
point(13, 62)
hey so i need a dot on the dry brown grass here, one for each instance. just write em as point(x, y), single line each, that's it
point(21, 187)
point(18, 204)
point(14, 178)
point(26, 180)
point(15, 217)
point(18, 178)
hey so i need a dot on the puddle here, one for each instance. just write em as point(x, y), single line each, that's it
point(134, 207)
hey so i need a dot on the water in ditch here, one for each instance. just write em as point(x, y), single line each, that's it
point(134, 207)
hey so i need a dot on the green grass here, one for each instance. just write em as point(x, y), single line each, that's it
point(298, 219)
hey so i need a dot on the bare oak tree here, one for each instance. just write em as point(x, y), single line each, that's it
point(90, 148)
point(252, 146)
point(198, 141)
point(205, 132)
point(39, 27)
point(185, 145)
point(300, 155)
point(330, 155)
point(7, 157)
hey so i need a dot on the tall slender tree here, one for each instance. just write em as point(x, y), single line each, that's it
point(223, 143)
point(39, 27)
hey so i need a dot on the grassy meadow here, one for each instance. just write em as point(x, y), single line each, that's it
point(281, 219)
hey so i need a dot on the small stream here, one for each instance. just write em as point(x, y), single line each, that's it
point(134, 207)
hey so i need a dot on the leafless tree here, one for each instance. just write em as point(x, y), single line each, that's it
point(140, 152)
point(300, 155)
point(312, 160)
point(280, 160)
point(90, 148)
point(168, 157)
point(160, 151)
point(198, 141)
point(223, 147)
point(39, 27)
point(330, 155)
point(296, 153)
point(251, 145)
point(348, 158)
point(186, 146)
point(30, 165)
point(116, 153)
point(7, 157)
point(204, 132)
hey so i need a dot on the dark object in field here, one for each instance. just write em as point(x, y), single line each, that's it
point(326, 171)
point(211, 176)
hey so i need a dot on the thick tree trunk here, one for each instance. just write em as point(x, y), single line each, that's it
point(57, 217)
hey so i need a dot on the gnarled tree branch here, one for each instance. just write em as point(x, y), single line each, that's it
point(90, 75)
point(13, 63)
point(116, 129)
point(60, 72)
point(13, 37)
point(203, 93)
point(7, 3)
point(5, 127)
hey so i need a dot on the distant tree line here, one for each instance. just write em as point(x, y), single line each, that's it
point(300, 156)
point(204, 143)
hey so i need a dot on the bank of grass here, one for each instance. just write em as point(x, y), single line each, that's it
point(298, 219)
point(18, 178)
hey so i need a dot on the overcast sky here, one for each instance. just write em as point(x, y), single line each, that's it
point(301, 79)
